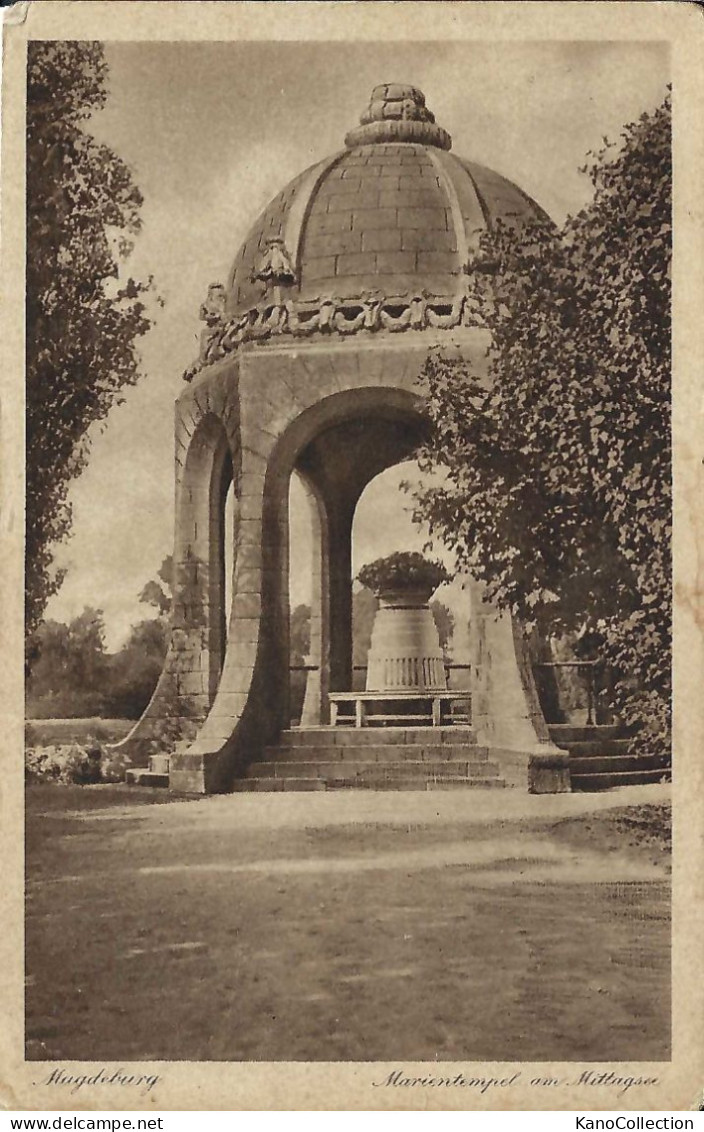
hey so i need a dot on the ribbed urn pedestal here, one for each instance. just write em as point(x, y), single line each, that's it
point(405, 653)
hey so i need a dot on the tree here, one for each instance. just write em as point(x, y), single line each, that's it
point(135, 669)
point(364, 607)
point(557, 461)
point(83, 315)
point(71, 669)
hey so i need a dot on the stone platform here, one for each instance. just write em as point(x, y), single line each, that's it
point(389, 758)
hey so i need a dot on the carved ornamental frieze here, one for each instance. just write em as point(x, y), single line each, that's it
point(368, 313)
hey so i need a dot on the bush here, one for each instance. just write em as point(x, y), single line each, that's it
point(403, 570)
point(64, 763)
point(80, 764)
point(113, 765)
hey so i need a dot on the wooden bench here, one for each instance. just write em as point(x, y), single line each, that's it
point(365, 702)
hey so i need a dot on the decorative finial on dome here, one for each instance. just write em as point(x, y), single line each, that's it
point(397, 113)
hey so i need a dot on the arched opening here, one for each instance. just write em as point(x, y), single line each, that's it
point(204, 553)
point(330, 474)
point(382, 525)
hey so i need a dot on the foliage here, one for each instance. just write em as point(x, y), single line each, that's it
point(403, 570)
point(135, 669)
point(70, 668)
point(557, 455)
point(159, 591)
point(83, 315)
point(113, 766)
point(73, 675)
point(69, 762)
point(364, 607)
point(79, 763)
point(444, 623)
point(178, 720)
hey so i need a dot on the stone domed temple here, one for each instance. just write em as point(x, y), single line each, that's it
point(309, 364)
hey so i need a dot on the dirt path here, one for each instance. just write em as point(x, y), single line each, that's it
point(414, 926)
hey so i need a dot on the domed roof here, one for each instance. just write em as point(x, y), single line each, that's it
point(375, 238)
point(394, 212)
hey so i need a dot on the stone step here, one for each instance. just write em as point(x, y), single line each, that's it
point(596, 748)
point(142, 776)
point(374, 736)
point(247, 785)
point(417, 782)
point(609, 779)
point(597, 764)
point(376, 753)
point(349, 770)
point(562, 733)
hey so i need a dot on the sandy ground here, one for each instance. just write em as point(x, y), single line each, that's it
point(353, 925)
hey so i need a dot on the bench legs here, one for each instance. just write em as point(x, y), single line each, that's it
point(359, 713)
point(363, 706)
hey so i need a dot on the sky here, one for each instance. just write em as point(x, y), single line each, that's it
point(212, 131)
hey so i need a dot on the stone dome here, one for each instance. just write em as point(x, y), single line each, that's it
point(395, 213)
point(375, 238)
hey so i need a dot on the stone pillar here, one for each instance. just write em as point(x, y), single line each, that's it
point(340, 574)
point(315, 704)
point(505, 710)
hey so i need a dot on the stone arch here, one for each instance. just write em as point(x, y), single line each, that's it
point(189, 679)
point(360, 403)
point(337, 448)
point(338, 416)
point(250, 707)
point(199, 561)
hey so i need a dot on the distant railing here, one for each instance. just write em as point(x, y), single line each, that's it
point(363, 667)
point(589, 668)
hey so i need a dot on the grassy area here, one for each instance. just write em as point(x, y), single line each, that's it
point(44, 732)
point(178, 932)
point(643, 830)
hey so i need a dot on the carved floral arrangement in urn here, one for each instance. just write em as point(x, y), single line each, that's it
point(405, 654)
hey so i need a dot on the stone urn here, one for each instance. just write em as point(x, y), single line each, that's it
point(405, 653)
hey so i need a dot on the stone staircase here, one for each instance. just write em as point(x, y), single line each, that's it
point(383, 758)
point(599, 757)
point(155, 774)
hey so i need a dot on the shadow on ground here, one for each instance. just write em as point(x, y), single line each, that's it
point(324, 929)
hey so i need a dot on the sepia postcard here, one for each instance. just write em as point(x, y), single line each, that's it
point(352, 474)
